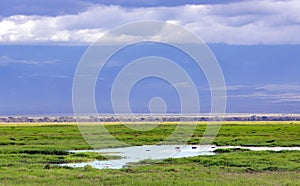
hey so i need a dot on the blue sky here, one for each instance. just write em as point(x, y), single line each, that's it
point(257, 45)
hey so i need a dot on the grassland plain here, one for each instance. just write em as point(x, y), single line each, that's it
point(29, 154)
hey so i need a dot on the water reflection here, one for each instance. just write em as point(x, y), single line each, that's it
point(156, 152)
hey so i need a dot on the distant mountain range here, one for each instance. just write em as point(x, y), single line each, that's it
point(152, 118)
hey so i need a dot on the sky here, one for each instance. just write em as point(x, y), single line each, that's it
point(256, 43)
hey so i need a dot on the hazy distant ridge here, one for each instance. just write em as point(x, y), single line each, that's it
point(153, 118)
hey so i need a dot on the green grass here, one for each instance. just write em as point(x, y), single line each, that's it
point(28, 155)
point(229, 134)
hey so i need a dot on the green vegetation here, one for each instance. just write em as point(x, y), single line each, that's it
point(229, 134)
point(29, 154)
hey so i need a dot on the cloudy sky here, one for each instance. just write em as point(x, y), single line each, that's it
point(256, 42)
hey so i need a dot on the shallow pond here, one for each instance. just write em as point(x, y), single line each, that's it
point(155, 152)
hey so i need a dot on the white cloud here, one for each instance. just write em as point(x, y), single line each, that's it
point(5, 60)
point(45, 76)
point(19, 29)
point(280, 87)
point(245, 22)
point(272, 93)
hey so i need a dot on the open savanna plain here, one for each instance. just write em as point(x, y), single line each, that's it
point(30, 152)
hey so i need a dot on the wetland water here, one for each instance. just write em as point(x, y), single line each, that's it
point(156, 152)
